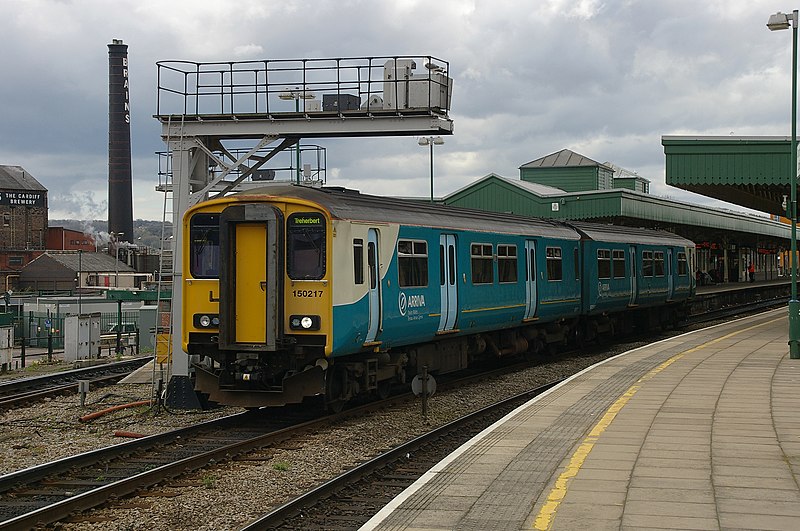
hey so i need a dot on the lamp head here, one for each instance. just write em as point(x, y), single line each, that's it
point(780, 21)
point(288, 93)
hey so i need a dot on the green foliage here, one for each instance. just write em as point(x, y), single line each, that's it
point(281, 466)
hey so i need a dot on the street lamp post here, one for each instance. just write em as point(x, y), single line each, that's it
point(116, 255)
point(80, 274)
point(781, 21)
point(296, 94)
point(431, 141)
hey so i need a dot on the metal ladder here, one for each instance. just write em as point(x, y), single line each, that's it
point(165, 306)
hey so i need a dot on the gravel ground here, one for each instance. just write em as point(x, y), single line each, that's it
point(51, 430)
point(239, 491)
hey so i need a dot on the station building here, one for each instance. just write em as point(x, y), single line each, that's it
point(754, 172)
point(23, 221)
point(568, 186)
point(70, 270)
point(24, 230)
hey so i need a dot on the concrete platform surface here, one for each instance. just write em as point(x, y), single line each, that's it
point(700, 431)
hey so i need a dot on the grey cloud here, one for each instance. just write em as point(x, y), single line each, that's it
point(606, 79)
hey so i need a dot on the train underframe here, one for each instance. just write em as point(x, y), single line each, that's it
point(298, 373)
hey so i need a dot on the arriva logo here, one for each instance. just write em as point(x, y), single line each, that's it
point(410, 301)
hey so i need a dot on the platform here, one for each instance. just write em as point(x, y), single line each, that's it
point(700, 431)
point(147, 374)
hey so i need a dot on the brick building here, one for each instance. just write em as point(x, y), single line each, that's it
point(63, 239)
point(23, 222)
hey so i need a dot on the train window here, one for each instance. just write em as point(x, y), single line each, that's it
point(658, 263)
point(451, 264)
point(647, 263)
point(372, 266)
point(412, 263)
point(481, 254)
point(204, 245)
point(507, 263)
point(683, 265)
point(305, 246)
point(603, 263)
point(554, 263)
point(441, 265)
point(358, 261)
point(618, 263)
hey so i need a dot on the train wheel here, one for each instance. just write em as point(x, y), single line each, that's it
point(578, 336)
point(335, 388)
point(384, 389)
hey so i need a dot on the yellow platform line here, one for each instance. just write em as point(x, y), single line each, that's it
point(544, 520)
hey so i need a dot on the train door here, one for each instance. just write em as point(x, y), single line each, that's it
point(633, 272)
point(373, 265)
point(250, 263)
point(250, 276)
point(530, 279)
point(448, 281)
point(670, 279)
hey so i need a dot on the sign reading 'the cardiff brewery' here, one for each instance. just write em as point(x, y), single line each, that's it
point(21, 198)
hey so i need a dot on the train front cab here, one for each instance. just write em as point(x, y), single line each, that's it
point(257, 300)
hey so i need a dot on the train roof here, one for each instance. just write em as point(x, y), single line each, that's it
point(352, 205)
point(619, 234)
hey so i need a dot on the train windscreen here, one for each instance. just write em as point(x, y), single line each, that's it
point(204, 246)
point(305, 246)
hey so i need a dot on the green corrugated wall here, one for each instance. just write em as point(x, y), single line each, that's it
point(571, 179)
point(720, 162)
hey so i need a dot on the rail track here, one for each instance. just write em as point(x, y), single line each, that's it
point(53, 491)
point(14, 393)
point(359, 493)
point(737, 310)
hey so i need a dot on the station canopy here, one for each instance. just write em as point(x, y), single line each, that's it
point(753, 172)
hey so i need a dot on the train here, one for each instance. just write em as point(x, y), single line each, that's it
point(294, 293)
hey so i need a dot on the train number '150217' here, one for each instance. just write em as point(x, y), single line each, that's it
point(312, 293)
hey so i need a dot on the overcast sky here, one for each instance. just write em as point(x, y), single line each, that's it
point(603, 78)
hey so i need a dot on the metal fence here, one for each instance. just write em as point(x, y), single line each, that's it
point(39, 330)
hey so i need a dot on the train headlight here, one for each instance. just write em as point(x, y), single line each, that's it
point(304, 322)
point(206, 320)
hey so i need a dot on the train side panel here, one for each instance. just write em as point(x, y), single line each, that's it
point(559, 274)
point(490, 274)
point(610, 277)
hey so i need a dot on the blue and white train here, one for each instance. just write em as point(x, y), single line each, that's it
point(292, 292)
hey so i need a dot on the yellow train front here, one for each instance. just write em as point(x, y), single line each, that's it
point(257, 298)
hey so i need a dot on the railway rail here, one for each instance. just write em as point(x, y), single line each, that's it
point(349, 500)
point(361, 492)
point(737, 309)
point(56, 490)
point(53, 491)
point(16, 392)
